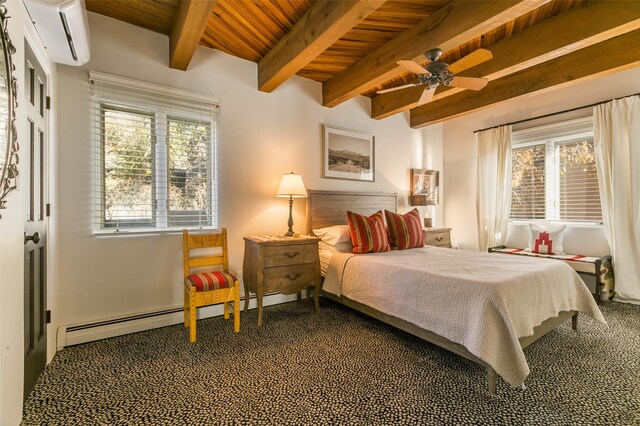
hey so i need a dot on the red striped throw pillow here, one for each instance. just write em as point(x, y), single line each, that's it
point(367, 233)
point(405, 230)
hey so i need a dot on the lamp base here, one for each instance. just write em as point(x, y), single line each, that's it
point(289, 233)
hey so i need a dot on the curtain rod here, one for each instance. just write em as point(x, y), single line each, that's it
point(555, 113)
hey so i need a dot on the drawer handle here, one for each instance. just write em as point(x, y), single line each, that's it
point(438, 239)
point(291, 255)
point(290, 278)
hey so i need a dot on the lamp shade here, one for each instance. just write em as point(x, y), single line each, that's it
point(418, 200)
point(291, 185)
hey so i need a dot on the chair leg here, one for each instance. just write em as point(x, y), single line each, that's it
point(186, 307)
point(236, 308)
point(226, 310)
point(192, 316)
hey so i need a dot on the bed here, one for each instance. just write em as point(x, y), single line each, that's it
point(484, 308)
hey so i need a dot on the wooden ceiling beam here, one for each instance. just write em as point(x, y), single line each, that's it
point(323, 24)
point(579, 66)
point(453, 25)
point(187, 30)
point(584, 26)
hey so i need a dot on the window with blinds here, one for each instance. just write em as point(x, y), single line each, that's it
point(554, 173)
point(528, 197)
point(156, 157)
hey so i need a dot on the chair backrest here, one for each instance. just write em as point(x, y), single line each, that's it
point(201, 241)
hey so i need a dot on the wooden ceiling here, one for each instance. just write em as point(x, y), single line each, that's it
point(352, 46)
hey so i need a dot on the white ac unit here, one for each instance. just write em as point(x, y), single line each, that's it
point(63, 28)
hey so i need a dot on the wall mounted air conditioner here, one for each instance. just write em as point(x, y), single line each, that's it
point(63, 28)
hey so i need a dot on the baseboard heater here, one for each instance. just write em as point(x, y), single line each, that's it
point(69, 335)
point(123, 319)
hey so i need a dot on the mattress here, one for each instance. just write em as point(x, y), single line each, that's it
point(325, 259)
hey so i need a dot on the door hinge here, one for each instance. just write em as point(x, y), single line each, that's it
point(48, 317)
point(48, 209)
point(48, 103)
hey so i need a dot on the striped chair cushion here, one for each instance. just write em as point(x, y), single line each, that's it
point(367, 233)
point(205, 281)
point(405, 230)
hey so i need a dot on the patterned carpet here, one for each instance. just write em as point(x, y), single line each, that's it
point(336, 367)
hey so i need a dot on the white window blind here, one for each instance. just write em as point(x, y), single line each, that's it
point(528, 198)
point(554, 173)
point(155, 151)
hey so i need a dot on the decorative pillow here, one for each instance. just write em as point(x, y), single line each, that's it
point(367, 233)
point(405, 230)
point(546, 239)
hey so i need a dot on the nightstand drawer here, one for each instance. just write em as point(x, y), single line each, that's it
point(439, 239)
point(289, 279)
point(293, 254)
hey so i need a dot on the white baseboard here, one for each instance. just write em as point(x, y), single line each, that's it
point(69, 335)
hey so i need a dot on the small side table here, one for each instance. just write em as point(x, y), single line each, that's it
point(439, 237)
point(280, 264)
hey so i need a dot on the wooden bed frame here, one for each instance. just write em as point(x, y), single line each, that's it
point(326, 208)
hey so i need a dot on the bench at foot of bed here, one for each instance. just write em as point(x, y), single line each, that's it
point(599, 267)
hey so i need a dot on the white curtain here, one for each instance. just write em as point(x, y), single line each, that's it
point(616, 127)
point(494, 185)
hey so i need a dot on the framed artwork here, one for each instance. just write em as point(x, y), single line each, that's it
point(348, 154)
point(424, 185)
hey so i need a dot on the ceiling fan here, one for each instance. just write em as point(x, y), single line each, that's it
point(435, 73)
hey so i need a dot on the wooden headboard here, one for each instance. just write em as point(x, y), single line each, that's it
point(327, 208)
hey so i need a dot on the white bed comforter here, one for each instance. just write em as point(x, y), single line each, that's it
point(482, 301)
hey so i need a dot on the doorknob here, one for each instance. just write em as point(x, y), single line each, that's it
point(35, 238)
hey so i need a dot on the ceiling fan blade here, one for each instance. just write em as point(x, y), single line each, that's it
point(392, 89)
point(414, 67)
point(469, 82)
point(426, 97)
point(471, 60)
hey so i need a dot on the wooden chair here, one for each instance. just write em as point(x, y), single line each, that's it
point(210, 286)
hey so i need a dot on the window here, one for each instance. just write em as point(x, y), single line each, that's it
point(554, 173)
point(156, 159)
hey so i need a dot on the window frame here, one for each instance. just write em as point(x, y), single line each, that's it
point(159, 140)
point(576, 130)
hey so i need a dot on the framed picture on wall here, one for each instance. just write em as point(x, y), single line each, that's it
point(424, 185)
point(348, 154)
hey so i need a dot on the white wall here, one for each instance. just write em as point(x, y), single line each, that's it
point(11, 233)
point(261, 137)
point(460, 154)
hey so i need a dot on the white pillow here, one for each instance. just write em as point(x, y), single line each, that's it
point(344, 247)
point(546, 239)
point(333, 235)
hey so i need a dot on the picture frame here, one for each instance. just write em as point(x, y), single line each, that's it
point(347, 154)
point(424, 186)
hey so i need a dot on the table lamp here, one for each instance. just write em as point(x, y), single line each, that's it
point(291, 186)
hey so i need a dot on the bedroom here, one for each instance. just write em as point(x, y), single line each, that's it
point(261, 136)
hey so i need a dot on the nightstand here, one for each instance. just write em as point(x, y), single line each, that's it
point(280, 264)
point(439, 237)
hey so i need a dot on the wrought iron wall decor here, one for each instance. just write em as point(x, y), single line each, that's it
point(8, 103)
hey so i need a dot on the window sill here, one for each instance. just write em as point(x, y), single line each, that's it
point(522, 222)
point(102, 233)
